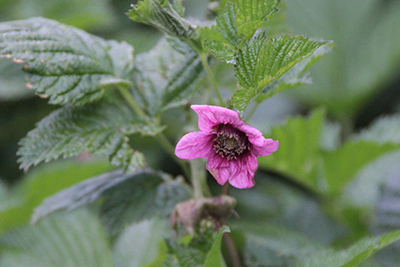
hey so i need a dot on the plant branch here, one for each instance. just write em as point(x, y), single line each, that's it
point(204, 60)
point(199, 179)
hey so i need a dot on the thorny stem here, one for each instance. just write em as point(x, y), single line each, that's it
point(199, 179)
point(204, 57)
point(160, 137)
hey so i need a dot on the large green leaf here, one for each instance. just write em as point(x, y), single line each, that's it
point(299, 149)
point(74, 240)
point(63, 63)
point(101, 128)
point(139, 244)
point(352, 256)
point(124, 198)
point(167, 76)
point(42, 182)
point(262, 61)
point(164, 16)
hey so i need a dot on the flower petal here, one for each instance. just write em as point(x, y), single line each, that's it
point(243, 170)
point(268, 147)
point(195, 145)
point(219, 168)
point(211, 116)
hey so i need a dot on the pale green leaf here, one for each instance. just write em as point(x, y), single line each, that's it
point(262, 61)
point(43, 182)
point(214, 257)
point(299, 149)
point(351, 256)
point(382, 130)
point(166, 78)
point(139, 243)
point(76, 239)
point(164, 16)
point(101, 128)
point(63, 63)
point(341, 165)
point(124, 198)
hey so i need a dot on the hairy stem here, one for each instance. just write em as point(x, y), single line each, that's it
point(204, 60)
point(199, 179)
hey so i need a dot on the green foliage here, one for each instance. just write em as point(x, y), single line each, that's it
point(163, 15)
point(60, 240)
point(167, 76)
point(262, 61)
point(203, 250)
point(124, 198)
point(63, 63)
point(101, 128)
point(40, 183)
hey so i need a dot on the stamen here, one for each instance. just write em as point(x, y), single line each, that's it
point(230, 142)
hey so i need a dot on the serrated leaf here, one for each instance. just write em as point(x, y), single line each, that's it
point(163, 15)
point(64, 63)
point(125, 198)
point(299, 148)
point(139, 243)
point(166, 78)
point(251, 15)
point(101, 128)
point(75, 239)
point(342, 165)
point(262, 61)
point(202, 251)
point(217, 44)
point(353, 255)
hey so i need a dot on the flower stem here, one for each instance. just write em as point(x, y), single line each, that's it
point(253, 110)
point(160, 137)
point(204, 60)
point(199, 179)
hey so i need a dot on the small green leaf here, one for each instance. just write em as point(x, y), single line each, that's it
point(352, 256)
point(74, 239)
point(214, 257)
point(101, 128)
point(63, 63)
point(166, 78)
point(299, 149)
point(139, 244)
point(262, 61)
point(163, 15)
point(125, 198)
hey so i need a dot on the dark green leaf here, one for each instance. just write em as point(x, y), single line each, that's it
point(165, 78)
point(101, 128)
point(75, 239)
point(262, 61)
point(163, 15)
point(352, 256)
point(64, 63)
point(125, 198)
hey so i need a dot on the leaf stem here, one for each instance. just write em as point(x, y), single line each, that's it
point(204, 60)
point(199, 179)
point(251, 113)
point(128, 97)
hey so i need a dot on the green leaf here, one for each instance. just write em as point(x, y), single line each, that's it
point(383, 130)
point(101, 128)
point(163, 15)
point(217, 44)
point(251, 15)
point(42, 182)
point(262, 61)
point(299, 149)
point(203, 250)
point(351, 157)
point(75, 239)
point(139, 244)
point(63, 63)
point(353, 255)
point(125, 198)
point(166, 78)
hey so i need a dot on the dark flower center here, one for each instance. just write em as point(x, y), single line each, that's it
point(230, 142)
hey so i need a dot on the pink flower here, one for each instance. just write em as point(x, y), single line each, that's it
point(231, 146)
